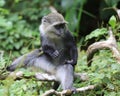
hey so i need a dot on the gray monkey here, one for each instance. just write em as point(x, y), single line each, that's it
point(59, 55)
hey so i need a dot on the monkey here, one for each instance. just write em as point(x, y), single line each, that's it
point(57, 42)
point(59, 51)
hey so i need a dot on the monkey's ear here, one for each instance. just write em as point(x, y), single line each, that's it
point(44, 19)
point(52, 9)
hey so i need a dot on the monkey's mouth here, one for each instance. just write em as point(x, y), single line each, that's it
point(59, 34)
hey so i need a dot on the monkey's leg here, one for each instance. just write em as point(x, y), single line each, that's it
point(24, 60)
point(45, 64)
point(65, 75)
point(35, 60)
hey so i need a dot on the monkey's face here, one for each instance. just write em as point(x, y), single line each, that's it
point(53, 24)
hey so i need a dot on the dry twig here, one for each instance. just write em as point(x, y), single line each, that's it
point(45, 76)
point(68, 92)
point(109, 44)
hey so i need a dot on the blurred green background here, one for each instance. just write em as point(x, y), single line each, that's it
point(88, 22)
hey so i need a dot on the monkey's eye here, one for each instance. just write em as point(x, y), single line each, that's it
point(44, 20)
point(59, 26)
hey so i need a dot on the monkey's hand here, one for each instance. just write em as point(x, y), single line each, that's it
point(55, 54)
point(49, 50)
point(70, 62)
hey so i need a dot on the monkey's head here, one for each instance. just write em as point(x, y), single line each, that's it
point(53, 25)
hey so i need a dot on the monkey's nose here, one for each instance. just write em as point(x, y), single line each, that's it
point(61, 31)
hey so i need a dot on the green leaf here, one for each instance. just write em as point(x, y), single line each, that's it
point(3, 92)
point(112, 22)
point(17, 45)
point(96, 33)
point(2, 3)
point(27, 74)
point(110, 86)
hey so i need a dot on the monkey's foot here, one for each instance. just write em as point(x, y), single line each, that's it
point(73, 90)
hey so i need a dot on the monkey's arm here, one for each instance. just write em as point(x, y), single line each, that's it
point(73, 54)
point(72, 49)
point(48, 48)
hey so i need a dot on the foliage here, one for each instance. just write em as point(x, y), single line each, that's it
point(19, 22)
point(97, 33)
point(104, 72)
point(112, 22)
point(15, 31)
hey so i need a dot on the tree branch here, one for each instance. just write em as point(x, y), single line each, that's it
point(109, 44)
point(44, 76)
point(68, 92)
